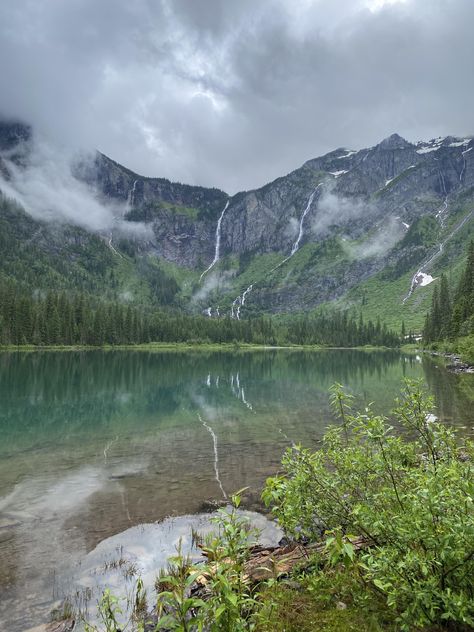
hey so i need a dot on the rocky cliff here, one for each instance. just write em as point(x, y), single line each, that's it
point(307, 238)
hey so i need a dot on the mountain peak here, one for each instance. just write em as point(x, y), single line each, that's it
point(395, 141)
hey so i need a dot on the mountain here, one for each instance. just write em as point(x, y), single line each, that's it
point(366, 229)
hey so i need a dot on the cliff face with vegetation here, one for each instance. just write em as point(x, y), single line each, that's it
point(353, 227)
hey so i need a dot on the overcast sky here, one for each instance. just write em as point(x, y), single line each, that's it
point(233, 93)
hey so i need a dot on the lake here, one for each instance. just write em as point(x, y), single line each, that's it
point(95, 443)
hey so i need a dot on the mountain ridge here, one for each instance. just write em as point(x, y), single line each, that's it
point(303, 240)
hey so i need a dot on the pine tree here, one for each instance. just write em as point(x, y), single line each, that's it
point(445, 312)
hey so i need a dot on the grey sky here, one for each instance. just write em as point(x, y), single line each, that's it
point(233, 93)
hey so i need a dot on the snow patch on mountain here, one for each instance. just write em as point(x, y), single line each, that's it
point(350, 153)
point(424, 279)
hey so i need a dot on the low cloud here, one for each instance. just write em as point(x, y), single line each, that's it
point(333, 210)
point(383, 239)
point(46, 188)
point(213, 281)
point(292, 228)
point(354, 217)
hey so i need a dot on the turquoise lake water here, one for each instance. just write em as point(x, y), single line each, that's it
point(95, 443)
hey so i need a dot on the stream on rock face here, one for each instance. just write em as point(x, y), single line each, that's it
point(114, 455)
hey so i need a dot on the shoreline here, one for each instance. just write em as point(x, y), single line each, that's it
point(185, 346)
point(457, 363)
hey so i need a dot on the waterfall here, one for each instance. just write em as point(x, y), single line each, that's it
point(296, 245)
point(216, 456)
point(441, 213)
point(116, 252)
point(463, 153)
point(218, 241)
point(239, 302)
point(247, 291)
point(131, 193)
point(235, 306)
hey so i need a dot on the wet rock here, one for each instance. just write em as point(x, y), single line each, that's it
point(210, 505)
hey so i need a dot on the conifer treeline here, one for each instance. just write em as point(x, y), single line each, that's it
point(451, 316)
point(338, 329)
point(57, 318)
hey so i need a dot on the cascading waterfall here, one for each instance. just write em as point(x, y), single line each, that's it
point(463, 153)
point(296, 245)
point(216, 456)
point(239, 302)
point(420, 272)
point(111, 246)
point(234, 306)
point(247, 291)
point(218, 241)
point(131, 194)
point(440, 215)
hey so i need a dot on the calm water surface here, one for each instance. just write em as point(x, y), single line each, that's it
point(93, 444)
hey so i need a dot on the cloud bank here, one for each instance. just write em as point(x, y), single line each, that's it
point(233, 94)
point(47, 190)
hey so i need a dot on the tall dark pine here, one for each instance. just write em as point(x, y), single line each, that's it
point(444, 309)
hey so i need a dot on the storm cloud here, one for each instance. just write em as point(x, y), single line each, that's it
point(234, 94)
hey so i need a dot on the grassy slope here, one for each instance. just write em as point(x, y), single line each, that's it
point(42, 256)
point(384, 297)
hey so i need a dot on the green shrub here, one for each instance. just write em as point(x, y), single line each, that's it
point(465, 347)
point(410, 496)
point(230, 605)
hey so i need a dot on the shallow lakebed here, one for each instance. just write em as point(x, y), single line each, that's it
point(95, 444)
